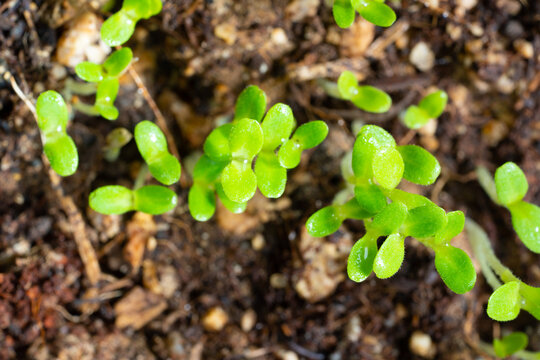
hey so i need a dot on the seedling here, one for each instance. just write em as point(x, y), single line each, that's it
point(106, 76)
point(58, 146)
point(367, 98)
point(152, 145)
point(229, 151)
point(375, 169)
point(116, 199)
point(374, 11)
point(118, 28)
point(430, 107)
point(115, 141)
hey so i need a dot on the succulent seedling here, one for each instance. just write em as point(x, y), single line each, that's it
point(229, 151)
point(58, 146)
point(365, 97)
point(116, 199)
point(430, 107)
point(374, 11)
point(376, 167)
point(511, 295)
point(152, 145)
point(106, 76)
point(115, 141)
point(118, 28)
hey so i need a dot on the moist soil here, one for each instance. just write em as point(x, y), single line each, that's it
point(255, 285)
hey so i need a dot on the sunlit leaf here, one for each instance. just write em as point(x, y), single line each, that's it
point(202, 202)
point(511, 183)
point(455, 268)
point(361, 258)
point(388, 167)
point(389, 257)
point(271, 176)
point(154, 199)
point(371, 99)
point(434, 103)
point(112, 199)
point(421, 167)
point(347, 82)
point(504, 303)
point(526, 222)
point(343, 13)
point(251, 104)
point(239, 181)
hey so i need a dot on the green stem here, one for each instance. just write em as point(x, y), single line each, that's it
point(522, 354)
point(79, 88)
point(85, 108)
point(141, 177)
point(489, 262)
point(330, 88)
point(488, 184)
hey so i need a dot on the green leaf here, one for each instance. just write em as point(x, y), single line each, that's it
point(371, 99)
point(455, 268)
point(511, 183)
point(377, 13)
point(245, 139)
point(388, 167)
point(410, 200)
point(434, 103)
point(89, 71)
point(62, 154)
point(455, 224)
point(155, 7)
point(271, 176)
point(324, 222)
point(389, 257)
point(389, 220)
point(370, 139)
point(117, 29)
point(352, 210)
point(52, 112)
point(216, 145)
point(234, 207)
point(117, 62)
point(531, 299)
point(165, 169)
point(415, 117)
point(251, 104)
point(504, 303)
point(370, 197)
point(343, 13)
point(201, 202)
point(239, 181)
point(311, 134)
point(421, 167)
point(361, 258)
point(510, 344)
point(112, 199)
point(109, 112)
point(290, 153)
point(207, 171)
point(347, 82)
point(425, 221)
point(277, 126)
point(526, 222)
point(154, 199)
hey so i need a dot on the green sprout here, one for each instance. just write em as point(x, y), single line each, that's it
point(226, 168)
point(106, 76)
point(116, 199)
point(152, 145)
point(508, 189)
point(510, 344)
point(367, 98)
point(115, 141)
point(511, 295)
point(430, 107)
point(373, 171)
point(118, 28)
point(374, 11)
point(58, 146)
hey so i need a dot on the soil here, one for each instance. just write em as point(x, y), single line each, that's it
point(255, 285)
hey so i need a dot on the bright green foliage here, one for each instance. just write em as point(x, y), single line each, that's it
point(374, 11)
point(505, 303)
point(378, 165)
point(118, 28)
point(430, 107)
point(115, 141)
point(510, 344)
point(116, 199)
point(229, 152)
point(52, 118)
point(152, 145)
point(511, 186)
point(367, 98)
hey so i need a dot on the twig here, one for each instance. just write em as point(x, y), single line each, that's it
point(84, 246)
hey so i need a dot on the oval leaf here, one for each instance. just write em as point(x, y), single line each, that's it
point(389, 257)
point(370, 197)
point(389, 220)
point(388, 167)
point(370, 139)
point(324, 222)
point(234, 207)
point(154, 199)
point(62, 154)
point(112, 199)
point(117, 29)
point(89, 71)
point(245, 139)
point(361, 258)
point(343, 13)
point(434, 103)
point(425, 221)
point(207, 171)
point(311, 134)
point(347, 82)
point(371, 99)
point(504, 303)
point(526, 222)
point(239, 181)
point(377, 13)
point(510, 344)
point(511, 183)
point(277, 126)
point(271, 176)
point(251, 104)
point(118, 61)
point(165, 169)
point(150, 140)
point(201, 202)
point(290, 153)
point(415, 117)
point(216, 145)
point(454, 225)
point(455, 268)
point(421, 167)
point(52, 112)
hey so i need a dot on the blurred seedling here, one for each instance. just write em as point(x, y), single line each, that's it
point(365, 97)
point(115, 141)
point(430, 107)
point(106, 77)
point(513, 344)
point(58, 146)
point(118, 28)
point(225, 167)
point(374, 170)
point(374, 11)
point(151, 199)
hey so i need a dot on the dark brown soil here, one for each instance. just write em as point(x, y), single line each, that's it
point(194, 67)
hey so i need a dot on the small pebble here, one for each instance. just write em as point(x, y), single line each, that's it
point(524, 48)
point(258, 242)
point(421, 344)
point(353, 330)
point(226, 32)
point(58, 72)
point(215, 319)
point(467, 4)
point(248, 320)
point(422, 57)
point(278, 281)
point(286, 355)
